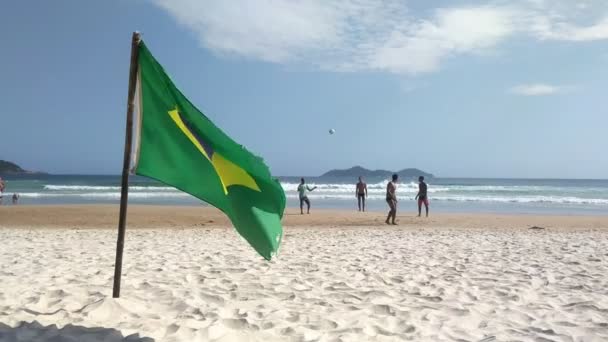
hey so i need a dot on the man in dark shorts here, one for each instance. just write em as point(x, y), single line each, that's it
point(391, 199)
point(302, 189)
point(361, 193)
point(422, 196)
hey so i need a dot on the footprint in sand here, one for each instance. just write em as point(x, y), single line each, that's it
point(239, 324)
point(215, 299)
point(293, 317)
point(383, 309)
point(267, 325)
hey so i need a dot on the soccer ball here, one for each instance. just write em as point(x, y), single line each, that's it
point(332, 131)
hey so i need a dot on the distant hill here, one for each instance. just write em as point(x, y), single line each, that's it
point(357, 171)
point(7, 167)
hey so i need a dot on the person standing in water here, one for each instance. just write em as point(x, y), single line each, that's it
point(422, 196)
point(391, 199)
point(361, 193)
point(302, 189)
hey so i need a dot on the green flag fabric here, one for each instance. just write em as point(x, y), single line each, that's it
point(178, 145)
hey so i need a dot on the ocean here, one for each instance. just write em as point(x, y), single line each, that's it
point(518, 196)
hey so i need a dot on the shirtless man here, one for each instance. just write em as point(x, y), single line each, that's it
point(422, 196)
point(302, 189)
point(391, 199)
point(361, 193)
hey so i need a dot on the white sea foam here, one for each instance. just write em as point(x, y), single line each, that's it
point(349, 188)
point(105, 195)
point(103, 188)
point(326, 196)
point(489, 199)
point(413, 187)
point(526, 199)
point(346, 192)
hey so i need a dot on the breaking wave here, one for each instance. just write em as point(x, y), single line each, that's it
point(336, 192)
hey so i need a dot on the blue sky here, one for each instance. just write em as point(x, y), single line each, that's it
point(460, 88)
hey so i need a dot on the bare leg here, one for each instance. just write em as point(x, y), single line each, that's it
point(363, 201)
point(419, 208)
point(392, 214)
point(301, 206)
point(307, 206)
point(359, 202)
point(426, 206)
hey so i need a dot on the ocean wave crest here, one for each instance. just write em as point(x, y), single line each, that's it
point(488, 199)
point(105, 195)
point(346, 192)
point(104, 188)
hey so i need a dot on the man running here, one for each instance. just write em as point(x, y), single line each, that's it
point(422, 196)
point(302, 189)
point(391, 199)
point(361, 193)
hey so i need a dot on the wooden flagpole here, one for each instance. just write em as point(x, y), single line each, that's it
point(124, 191)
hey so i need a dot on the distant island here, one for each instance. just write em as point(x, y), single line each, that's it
point(10, 168)
point(357, 171)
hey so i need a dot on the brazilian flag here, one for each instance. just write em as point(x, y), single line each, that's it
point(178, 145)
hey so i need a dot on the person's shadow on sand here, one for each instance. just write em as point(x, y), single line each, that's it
point(36, 332)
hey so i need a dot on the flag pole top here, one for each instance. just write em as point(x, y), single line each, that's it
point(136, 37)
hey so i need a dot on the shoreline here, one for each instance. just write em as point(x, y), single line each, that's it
point(154, 216)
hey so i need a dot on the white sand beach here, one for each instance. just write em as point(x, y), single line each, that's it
point(330, 283)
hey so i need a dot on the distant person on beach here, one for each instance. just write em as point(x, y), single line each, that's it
point(391, 199)
point(361, 193)
point(1, 189)
point(302, 189)
point(422, 196)
point(15, 198)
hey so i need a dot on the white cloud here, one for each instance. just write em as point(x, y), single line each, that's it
point(545, 29)
point(273, 31)
point(537, 89)
point(422, 45)
point(574, 21)
point(351, 35)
